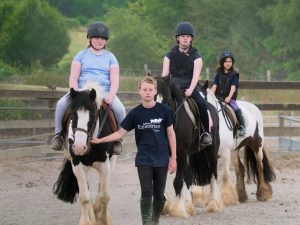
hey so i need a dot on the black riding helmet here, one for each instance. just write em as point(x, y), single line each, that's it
point(184, 28)
point(98, 30)
point(226, 54)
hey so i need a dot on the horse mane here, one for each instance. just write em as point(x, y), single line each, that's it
point(86, 96)
point(165, 83)
point(99, 92)
point(210, 94)
point(176, 93)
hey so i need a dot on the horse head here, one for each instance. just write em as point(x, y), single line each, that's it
point(168, 92)
point(84, 120)
point(208, 94)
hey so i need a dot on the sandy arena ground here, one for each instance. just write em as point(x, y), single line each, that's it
point(27, 199)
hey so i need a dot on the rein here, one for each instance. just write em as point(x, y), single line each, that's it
point(181, 104)
point(226, 117)
point(103, 122)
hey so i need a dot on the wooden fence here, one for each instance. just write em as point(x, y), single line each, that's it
point(48, 98)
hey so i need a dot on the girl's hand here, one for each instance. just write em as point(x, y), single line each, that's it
point(96, 141)
point(172, 165)
point(227, 100)
point(188, 92)
point(108, 99)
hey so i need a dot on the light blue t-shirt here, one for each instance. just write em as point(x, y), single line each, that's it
point(95, 68)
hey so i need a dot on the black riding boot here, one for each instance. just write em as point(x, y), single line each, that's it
point(157, 210)
point(205, 138)
point(240, 117)
point(146, 210)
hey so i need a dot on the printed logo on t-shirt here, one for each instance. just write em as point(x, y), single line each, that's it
point(154, 124)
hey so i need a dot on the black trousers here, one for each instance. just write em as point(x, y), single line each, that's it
point(152, 181)
point(201, 102)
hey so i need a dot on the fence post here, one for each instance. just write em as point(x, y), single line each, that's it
point(268, 75)
point(207, 72)
point(146, 70)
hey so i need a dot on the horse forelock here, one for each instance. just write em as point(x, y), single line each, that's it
point(99, 92)
point(81, 101)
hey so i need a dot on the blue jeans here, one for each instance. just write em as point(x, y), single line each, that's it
point(233, 105)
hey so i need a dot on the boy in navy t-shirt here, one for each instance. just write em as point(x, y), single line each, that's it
point(156, 147)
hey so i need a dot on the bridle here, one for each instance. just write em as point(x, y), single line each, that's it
point(89, 133)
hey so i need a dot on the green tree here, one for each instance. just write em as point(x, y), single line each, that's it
point(133, 40)
point(87, 8)
point(284, 17)
point(34, 32)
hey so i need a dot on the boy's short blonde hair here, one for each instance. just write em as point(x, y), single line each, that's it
point(149, 80)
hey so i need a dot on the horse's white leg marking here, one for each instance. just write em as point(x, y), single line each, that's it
point(189, 202)
point(264, 189)
point(199, 195)
point(178, 208)
point(87, 216)
point(167, 206)
point(228, 193)
point(102, 199)
point(215, 203)
point(240, 176)
point(113, 160)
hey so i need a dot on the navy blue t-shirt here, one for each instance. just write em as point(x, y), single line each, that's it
point(150, 126)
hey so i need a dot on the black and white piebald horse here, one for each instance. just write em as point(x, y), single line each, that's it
point(88, 119)
point(194, 166)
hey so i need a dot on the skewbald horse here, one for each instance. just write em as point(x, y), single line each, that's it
point(87, 120)
point(256, 160)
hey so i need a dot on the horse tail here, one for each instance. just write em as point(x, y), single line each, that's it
point(66, 186)
point(269, 172)
point(203, 165)
point(251, 166)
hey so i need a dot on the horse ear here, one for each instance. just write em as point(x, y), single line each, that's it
point(93, 95)
point(205, 86)
point(73, 93)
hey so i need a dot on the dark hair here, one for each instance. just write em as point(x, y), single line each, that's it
point(221, 69)
point(226, 54)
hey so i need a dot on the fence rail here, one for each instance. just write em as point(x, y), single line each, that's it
point(36, 125)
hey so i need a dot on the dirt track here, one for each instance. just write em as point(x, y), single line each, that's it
point(27, 199)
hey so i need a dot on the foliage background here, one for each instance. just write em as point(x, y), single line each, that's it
point(263, 34)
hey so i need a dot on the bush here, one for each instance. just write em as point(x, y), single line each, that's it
point(34, 32)
point(13, 114)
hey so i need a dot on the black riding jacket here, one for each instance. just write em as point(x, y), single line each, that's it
point(182, 64)
point(224, 81)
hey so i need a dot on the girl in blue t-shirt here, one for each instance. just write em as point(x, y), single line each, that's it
point(156, 148)
point(97, 65)
point(226, 84)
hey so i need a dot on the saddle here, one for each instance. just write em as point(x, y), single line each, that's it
point(230, 114)
point(194, 114)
